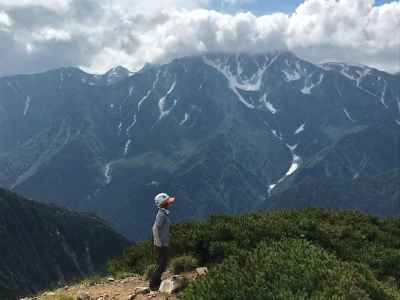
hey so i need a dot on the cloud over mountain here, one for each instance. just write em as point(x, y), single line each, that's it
point(42, 34)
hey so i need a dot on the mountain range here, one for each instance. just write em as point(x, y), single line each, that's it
point(224, 133)
point(42, 245)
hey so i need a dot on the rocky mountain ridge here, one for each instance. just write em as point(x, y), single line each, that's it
point(221, 132)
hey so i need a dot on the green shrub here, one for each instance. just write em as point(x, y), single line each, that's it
point(351, 237)
point(149, 270)
point(290, 269)
point(183, 263)
point(134, 259)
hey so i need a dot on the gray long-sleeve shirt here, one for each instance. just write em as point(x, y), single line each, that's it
point(161, 228)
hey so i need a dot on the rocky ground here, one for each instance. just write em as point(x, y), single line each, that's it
point(129, 288)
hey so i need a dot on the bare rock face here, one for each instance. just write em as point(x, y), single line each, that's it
point(173, 284)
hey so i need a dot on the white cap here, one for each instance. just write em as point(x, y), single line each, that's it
point(163, 198)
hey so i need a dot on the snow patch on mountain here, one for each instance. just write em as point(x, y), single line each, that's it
point(276, 134)
point(131, 125)
point(116, 74)
point(148, 93)
point(107, 173)
point(295, 161)
point(27, 105)
point(268, 104)
point(351, 71)
point(309, 85)
point(348, 115)
point(291, 75)
point(162, 101)
point(232, 80)
point(383, 93)
point(295, 165)
point(126, 148)
point(300, 129)
point(355, 73)
point(238, 81)
point(271, 188)
point(185, 119)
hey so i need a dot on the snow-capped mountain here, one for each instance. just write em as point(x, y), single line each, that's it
point(221, 132)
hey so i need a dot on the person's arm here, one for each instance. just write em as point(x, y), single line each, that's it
point(159, 223)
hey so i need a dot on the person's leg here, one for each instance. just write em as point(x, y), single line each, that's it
point(162, 260)
point(155, 278)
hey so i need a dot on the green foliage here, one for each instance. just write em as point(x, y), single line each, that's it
point(184, 263)
point(289, 269)
point(361, 246)
point(134, 259)
point(149, 271)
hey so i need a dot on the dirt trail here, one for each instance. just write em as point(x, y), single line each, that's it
point(110, 289)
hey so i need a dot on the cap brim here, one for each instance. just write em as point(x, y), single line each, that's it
point(170, 200)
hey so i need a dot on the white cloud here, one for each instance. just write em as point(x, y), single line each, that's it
point(50, 4)
point(238, 1)
point(99, 34)
point(48, 34)
point(5, 21)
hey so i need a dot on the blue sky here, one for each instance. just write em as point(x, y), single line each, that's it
point(260, 7)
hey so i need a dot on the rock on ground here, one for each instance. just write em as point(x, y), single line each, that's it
point(173, 284)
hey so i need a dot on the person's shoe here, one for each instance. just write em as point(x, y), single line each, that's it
point(152, 294)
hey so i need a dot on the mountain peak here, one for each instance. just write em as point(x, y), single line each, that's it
point(117, 74)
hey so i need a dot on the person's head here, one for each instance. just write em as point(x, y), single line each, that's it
point(163, 200)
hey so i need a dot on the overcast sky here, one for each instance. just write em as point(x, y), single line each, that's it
point(37, 35)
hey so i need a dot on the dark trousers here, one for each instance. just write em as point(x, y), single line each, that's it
point(161, 254)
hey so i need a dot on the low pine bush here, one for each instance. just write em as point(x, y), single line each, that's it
point(357, 246)
point(289, 269)
point(183, 263)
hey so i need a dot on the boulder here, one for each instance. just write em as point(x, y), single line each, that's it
point(173, 284)
point(49, 294)
point(142, 290)
point(83, 296)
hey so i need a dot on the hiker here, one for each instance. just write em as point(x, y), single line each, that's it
point(161, 238)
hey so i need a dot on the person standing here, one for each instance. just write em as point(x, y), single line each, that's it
point(161, 238)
